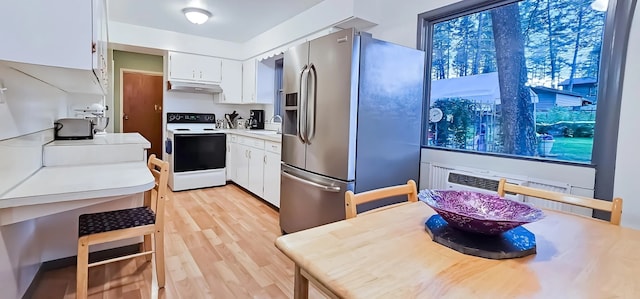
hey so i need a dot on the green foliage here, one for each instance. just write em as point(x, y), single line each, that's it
point(563, 121)
point(458, 118)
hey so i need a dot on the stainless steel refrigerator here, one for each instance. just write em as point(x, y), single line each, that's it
point(353, 107)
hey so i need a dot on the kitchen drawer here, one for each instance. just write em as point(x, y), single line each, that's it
point(251, 142)
point(273, 147)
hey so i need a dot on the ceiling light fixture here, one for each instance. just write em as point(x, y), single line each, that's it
point(196, 15)
point(600, 5)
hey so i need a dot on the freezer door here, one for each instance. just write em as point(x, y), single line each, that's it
point(308, 200)
point(295, 67)
point(332, 104)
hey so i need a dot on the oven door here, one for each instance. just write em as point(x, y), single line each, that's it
point(199, 152)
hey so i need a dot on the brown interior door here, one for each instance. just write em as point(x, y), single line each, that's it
point(142, 107)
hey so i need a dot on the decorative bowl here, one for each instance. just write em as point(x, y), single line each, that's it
point(478, 212)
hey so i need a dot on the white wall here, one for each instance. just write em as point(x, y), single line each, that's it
point(628, 159)
point(398, 20)
point(316, 19)
point(132, 35)
point(29, 105)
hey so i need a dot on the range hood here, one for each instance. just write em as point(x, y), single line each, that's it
point(208, 88)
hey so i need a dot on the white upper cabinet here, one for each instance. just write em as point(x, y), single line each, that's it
point(249, 81)
point(42, 37)
point(194, 68)
point(231, 82)
point(258, 81)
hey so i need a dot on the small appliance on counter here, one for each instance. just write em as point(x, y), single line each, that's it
point(256, 119)
point(73, 128)
point(95, 113)
point(230, 120)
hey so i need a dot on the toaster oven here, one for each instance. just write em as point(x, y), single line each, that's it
point(73, 128)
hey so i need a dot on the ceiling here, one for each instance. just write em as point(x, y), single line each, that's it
point(233, 20)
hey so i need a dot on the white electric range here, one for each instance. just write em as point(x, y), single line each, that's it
point(196, 151)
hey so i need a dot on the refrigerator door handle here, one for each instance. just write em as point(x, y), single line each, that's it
point(310, 183)
point(311, 117)
point(302, 113)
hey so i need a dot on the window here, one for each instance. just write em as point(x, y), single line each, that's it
point(277, 103)
point(515, 78)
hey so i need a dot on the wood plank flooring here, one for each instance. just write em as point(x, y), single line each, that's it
point(219, 243)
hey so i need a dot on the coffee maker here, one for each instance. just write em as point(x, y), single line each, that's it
point(256, 119)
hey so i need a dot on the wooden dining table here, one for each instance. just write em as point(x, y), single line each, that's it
point(388, 254)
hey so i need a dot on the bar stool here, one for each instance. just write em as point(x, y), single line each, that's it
point(123, 224)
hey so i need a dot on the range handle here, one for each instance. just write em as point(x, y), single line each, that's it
point(310, 183)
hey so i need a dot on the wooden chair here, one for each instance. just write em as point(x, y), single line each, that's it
point(122, 224)
point(615, 206)
point(353, 200)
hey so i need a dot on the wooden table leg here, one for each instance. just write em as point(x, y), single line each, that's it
point(300, 285)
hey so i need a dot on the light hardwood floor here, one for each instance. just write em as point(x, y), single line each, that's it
point(219, 244)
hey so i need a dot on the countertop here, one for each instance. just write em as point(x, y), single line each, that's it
point(68, 183)
point(260, 134)
point(107, 139)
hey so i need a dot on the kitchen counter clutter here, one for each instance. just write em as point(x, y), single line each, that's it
point(102, 149)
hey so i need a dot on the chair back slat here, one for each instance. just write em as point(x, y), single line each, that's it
point(615, 206)
point(353, 200)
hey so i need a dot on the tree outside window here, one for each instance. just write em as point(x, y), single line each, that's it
point(517, 79)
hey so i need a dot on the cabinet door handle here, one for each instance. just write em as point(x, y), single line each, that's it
point(264, 159)
point(193, 74)
point(200, 74)
point(249, 154)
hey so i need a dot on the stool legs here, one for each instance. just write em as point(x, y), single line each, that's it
point(159, 244)
point(146, 246)
point(82, 268)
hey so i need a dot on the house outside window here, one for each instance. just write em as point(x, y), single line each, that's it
point(516, 78)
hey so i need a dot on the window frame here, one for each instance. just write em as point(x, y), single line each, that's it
point(617, 27)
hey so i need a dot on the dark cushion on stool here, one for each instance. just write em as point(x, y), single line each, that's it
point(114, 220)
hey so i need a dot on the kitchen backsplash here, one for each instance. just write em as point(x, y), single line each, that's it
point(20, 157)
point(204, 103)
point(27, 105)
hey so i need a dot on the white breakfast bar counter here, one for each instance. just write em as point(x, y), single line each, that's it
point(58, 188)
point(39, 215)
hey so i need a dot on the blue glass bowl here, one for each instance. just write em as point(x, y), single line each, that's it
point(479, 212)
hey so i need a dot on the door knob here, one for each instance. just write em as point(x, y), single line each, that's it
point(125, 117)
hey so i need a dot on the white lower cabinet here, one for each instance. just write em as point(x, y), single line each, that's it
point(254, 164)
point(242, 165)
point(232, 147)
point(272, 174)
point(256, 170)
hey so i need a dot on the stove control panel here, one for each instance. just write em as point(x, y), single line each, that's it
point(191, 118)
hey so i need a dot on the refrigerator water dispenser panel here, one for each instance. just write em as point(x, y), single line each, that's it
point(290, 122)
